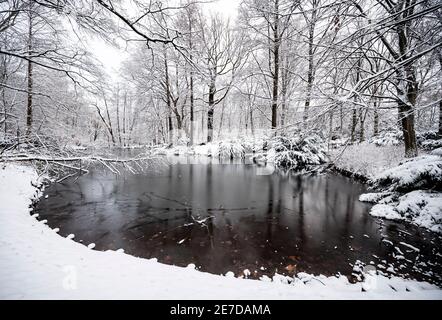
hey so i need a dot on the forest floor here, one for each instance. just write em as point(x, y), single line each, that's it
point(37, 263)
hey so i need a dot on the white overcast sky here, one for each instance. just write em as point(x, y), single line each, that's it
point(112, 57)
point(227, 7)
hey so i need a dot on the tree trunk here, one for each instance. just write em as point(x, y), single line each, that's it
point(179, 119)
point(275, 67)
point(407, 121)
point(118, 116)
point(252, 129)
point(407, 87)
point(341, 119)
point(310, 73)
point(4, 79)
point(284, 89)
point(362, 131)
point(192, 103)
point(107, 123)
point(440, 119)
point(111, 130)
point(210, 111)
point(354, 115)
point(168, 99)
point(406, 111)
point(192, 99)
point(354, 122)
point(406, 103)
point(210, 125)
point(124, 118)
point(330, 133)
point(29, 117)
point(376, 120)
point(440, 103)
point(222, 119)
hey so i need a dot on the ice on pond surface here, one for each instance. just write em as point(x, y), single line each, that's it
point(227, 218)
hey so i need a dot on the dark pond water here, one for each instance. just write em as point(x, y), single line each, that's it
point(228, 217)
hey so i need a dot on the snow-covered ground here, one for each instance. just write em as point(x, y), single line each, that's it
point(406, 188)
point(420, 207)
point(367, 159)
point(410, 191)
point(37, 263)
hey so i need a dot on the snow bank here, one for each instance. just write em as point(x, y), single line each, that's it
point(373, 197)
point(420, 172)
point(410, 192)
point(385, 211)
point(37, 263)
point(422, 208)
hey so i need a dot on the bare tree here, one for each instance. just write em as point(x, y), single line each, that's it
point(222, 58)
point(270, 20)
point(396, 31)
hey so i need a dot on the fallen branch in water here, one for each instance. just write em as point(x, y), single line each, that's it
point(80, 163)
point(202, 221)
point(68, 159)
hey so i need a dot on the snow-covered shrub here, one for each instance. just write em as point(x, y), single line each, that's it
point(431, 144)
point(252, 145)
point(297, 152)
point(387, 138)
point(429, 140)
point(182, 140)
point(248, 145)
point(427, 135)
point(424, 172)
point(230, 149)
point(260, 144)
point(260, 158)
point(7, 141)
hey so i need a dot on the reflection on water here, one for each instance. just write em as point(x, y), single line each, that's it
point(226, 217)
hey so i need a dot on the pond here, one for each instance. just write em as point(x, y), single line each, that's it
point(231, 217)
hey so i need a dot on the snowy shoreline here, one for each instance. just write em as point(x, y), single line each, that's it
point(37, 263)
point(403, 189)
